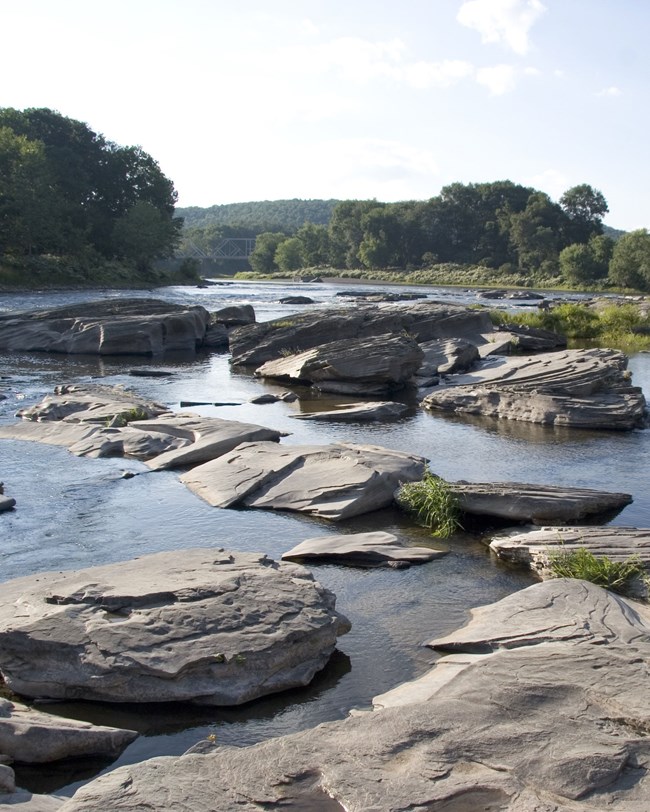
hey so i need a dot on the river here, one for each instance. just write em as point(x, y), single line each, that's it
point(75, 513)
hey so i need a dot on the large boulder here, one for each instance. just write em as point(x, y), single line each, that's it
point(197, 625)
point(574, 388)
point(30, 736)
point(256, 344)
point(335, 481)
point(378, 364)
point(536, 504)
point(543, 708)
point(108, 327)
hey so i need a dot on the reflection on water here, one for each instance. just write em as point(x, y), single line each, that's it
point(75, 513)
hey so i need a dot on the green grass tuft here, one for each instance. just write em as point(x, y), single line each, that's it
point(432, 504)
point(619, 576)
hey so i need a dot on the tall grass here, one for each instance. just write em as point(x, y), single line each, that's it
point(619, 576)
point(431, 502)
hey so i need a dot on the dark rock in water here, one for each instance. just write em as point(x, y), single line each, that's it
point(296, 300)
point(382, 363)
point(536, 504)
point(361, 549)
point(422, 321)
point(197, 625)
point(575, 388)
point(6, 503)
point(267, 397)
point(533, 339)
point(108, 327)
point(151, 373)
point(233, 315)
point(543, 707)
point(335, 481)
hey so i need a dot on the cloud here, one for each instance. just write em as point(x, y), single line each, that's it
point(502, 21)
point(498, 79)
point(612, 90)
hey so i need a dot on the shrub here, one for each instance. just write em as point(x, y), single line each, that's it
point(432, 504)
point(619, 576)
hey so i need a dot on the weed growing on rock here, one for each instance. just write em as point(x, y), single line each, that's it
point(124, 418)
point(619, 576)
point(432, 503)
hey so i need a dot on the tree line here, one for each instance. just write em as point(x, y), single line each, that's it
point(66, 190)
point(501, 227)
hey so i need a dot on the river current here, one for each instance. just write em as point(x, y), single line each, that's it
point(74, 513)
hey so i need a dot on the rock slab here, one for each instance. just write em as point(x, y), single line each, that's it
point(335, 481)
point(33, 737)
point(374, 548)
point(545, 710)
point(198, 625)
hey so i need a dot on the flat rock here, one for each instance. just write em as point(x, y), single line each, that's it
point(333, 481)
point(574, 388)
point(107, 327)
point(197, 625)
point(96, 421)
point(361, 549)
point(423, 321)
point(544, 710)
point(532, 548)
point(536, 504)
point(370, 410)
point(33, 737)
point(383, 363)
point(444, 357)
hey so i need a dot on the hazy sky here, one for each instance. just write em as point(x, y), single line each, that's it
point(389, 99)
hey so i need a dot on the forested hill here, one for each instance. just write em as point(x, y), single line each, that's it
point(261, 215)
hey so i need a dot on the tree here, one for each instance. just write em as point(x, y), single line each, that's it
point(585, 207)
point(630, 263)
point(262, 259)
point(143, 234)
point(535, 234)
point(86, 185)
point(288, 255)
point(315, 244)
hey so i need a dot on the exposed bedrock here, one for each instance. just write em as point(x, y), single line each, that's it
point(256, 344)
point(377, 365)
point(334, 481)
point(536, 504)
point(361, 549)
point(197, 625)
point(543, 708)
point(575, 388)
point(31, 736)
point(99, 421)
point(107, 327)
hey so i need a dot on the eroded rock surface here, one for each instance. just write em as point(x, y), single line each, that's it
point(98, 421)
point(374, 365)
point(335, 481)
point(258, 343)
point(537, 504)
point(576, 388)
point(198, 625)
point(370, 410)
point(30, 736)
point(551, 715)
point(107, 327)
point(374, 548)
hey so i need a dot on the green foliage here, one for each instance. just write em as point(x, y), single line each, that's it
point(619, 576)
point(288, 255)
point(66, 191)
point(630, 264)
point(263, 257)
point(128, 416)
point(432, 504)
point(258, 216)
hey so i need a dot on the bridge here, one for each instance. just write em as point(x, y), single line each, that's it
point(228, 248)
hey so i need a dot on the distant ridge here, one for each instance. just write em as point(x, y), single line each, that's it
point(260, 215)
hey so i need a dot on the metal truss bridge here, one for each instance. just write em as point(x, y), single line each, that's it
point(228, 248)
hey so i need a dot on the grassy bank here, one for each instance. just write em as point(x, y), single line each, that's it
point(624, 326)
point(53, 272)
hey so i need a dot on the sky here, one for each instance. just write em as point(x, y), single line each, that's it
point(244, 100)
